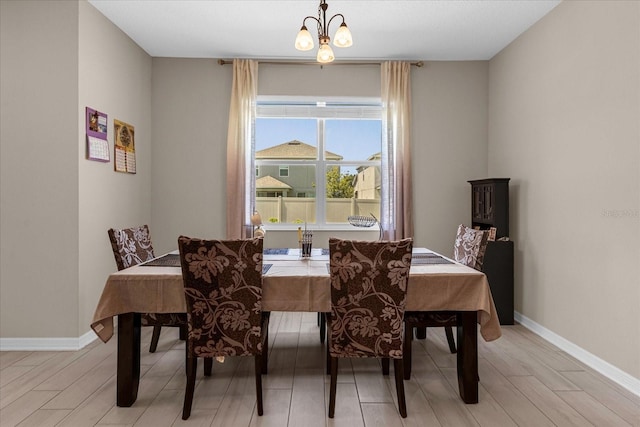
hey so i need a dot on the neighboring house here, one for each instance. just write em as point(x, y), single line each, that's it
point(268, 186)
point(366, 184)
point(284, 179)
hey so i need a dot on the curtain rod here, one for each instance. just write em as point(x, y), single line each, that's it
point(418, 64)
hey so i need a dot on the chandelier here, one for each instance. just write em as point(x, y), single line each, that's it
point(304, 41)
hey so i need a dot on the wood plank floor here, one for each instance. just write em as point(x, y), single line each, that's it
point(524, 381)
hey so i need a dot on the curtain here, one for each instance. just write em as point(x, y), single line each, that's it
point(396, 216)
point(244, 92)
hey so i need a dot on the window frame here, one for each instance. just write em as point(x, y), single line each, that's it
point(325, 108)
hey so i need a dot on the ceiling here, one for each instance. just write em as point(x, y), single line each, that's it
point(266, 29)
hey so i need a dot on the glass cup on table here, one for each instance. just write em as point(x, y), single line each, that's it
point(305, 243)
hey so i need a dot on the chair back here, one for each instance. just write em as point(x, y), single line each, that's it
point(368, 297)
point(223, 290)
point(470, 246)
point(131, 246)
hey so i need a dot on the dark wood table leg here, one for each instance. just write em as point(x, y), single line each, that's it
point(468, 356)
point(128, 358)
point(421, 333)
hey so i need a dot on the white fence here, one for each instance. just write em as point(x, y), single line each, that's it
point(303, 209)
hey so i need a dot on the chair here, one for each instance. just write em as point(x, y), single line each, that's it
point(469, 249)
point(223, 291)
point(368, 297)
point(132, 246)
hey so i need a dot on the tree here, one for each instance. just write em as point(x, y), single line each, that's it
point(339, 185)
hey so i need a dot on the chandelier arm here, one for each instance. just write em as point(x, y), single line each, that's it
point(337, 14)
point(315, 19)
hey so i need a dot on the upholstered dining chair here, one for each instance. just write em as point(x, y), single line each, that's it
point(223, 290)
point(132, 246)
point(368, 297)
point(468, 249)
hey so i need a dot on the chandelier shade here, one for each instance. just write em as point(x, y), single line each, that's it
point(304, 41)
point(325, 54)
point(343, 38)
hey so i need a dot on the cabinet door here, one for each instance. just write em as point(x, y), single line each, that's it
point(477, 213)
point(487, 205)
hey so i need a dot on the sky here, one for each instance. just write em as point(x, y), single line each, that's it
point(352, 139)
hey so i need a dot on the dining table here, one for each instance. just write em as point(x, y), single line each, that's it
point(294, 283)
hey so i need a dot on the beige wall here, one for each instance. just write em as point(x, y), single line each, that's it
point(39, 169)
point(449, 147)
point(115, 78)
point(58, 58)
point(564, 109)
point(190, 99)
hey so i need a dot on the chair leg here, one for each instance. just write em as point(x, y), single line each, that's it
point(208, 366)
point(328, 355)
point(402, 404)
point(265, 344)
point(258, 364)
point(183, 332)
point(323, 327)
point(452, 343)
point(332, 388)
point(421, 333)
point(406, 351)
point(155, 338)
point(192, 366)
point(385, 366)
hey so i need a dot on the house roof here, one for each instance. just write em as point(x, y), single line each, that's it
point(294, 150)
point(270, 183)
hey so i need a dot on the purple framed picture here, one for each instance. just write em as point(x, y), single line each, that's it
point(97, 144)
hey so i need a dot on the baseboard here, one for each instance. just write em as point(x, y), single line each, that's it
point(47, 344)
point(594, 362)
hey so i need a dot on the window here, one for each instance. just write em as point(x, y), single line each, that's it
point(332, 151)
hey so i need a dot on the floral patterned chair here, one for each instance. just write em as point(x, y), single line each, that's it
point(368, 298)
point(132, 246)
point(223, 291)
point(469, 249)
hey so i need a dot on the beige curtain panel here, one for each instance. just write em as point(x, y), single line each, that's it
point(397, 217)
point(241, 117)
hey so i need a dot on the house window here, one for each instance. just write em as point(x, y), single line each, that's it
point(332, 149)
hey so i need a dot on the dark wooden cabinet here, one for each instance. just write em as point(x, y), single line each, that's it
point(498, 266)
point(490, 208)
point(490, 205)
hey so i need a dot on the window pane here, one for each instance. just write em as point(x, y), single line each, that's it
point(287, 200)
point(286, 138)
point(352, 191)
point(353, 139)
point(286, 193)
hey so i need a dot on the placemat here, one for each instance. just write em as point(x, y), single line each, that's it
point(168, 260)
point(173, 260)
point(275, 251)
point(430, 258)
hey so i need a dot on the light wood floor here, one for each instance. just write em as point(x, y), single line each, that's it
point(524, 381)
